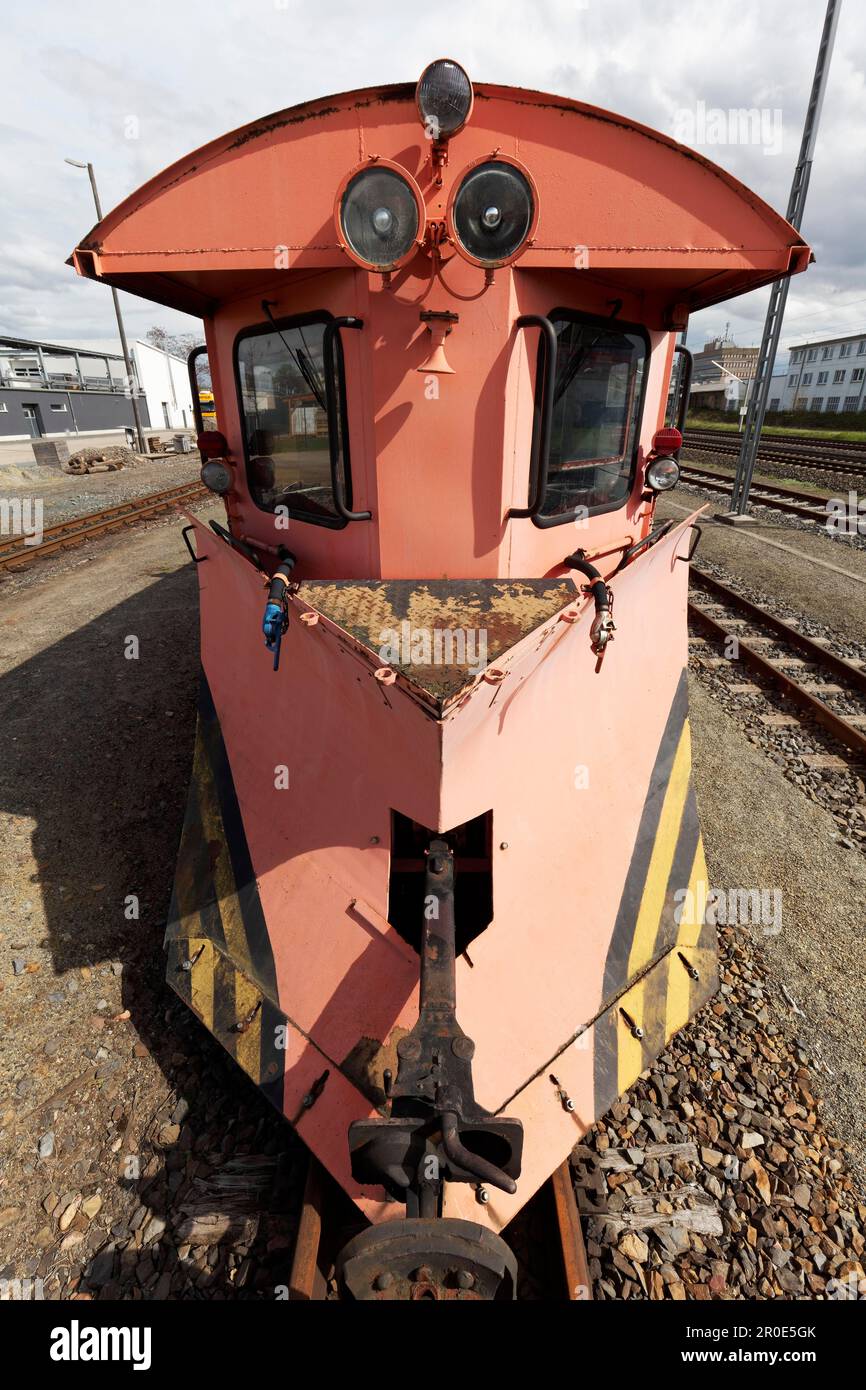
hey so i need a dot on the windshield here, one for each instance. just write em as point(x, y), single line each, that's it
point(596, 410)
point(285, 419)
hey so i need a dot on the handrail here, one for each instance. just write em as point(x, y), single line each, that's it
point(538, 473)
point(332, 334)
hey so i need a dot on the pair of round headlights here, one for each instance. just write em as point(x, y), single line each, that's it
point(490, 216)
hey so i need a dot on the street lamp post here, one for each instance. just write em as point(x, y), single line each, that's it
point(130, 374)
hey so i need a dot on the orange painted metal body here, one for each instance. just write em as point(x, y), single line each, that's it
point(583, 936)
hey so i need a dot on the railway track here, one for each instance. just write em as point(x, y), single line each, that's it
point(546, 1237)
point(809, 506)
point(831, 456)
point(15, 554)
point(823, 686)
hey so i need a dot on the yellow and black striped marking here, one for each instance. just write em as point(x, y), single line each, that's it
point(233, 1008)
point(661, 962)
point(219, 954)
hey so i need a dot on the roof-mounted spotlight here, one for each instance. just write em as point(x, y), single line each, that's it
point(444, 98)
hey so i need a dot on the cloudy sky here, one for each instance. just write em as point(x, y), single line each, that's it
point(134, 86)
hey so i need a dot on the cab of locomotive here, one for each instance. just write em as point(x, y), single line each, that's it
point(456, 396)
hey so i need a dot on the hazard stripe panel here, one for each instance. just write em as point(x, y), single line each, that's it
point(215, 891)
point(659, 926)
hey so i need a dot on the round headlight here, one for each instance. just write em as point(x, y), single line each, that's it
point(662, 474)
point(217, 476)
point(444, 98)
point(492, 212)
point(379, 214)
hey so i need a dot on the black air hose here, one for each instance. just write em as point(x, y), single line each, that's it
point(603, 628)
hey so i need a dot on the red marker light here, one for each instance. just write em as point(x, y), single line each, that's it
point(212, 444)
point(667, 441)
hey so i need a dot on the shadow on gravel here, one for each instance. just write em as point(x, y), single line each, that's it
point(98, 754)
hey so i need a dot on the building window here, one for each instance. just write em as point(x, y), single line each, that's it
point(792, 380)
point(850, 403)
point(597, 400)
point(807, 378)
point(822, 378)
point(856, 374)
point(826, 354)
point(802, 403)
point(3, 408)
point(845, 349)
point(774, 403)
point(812, 355)
point(837, 377)
point(281, 384)
point(832, 402)
point(817, 403)
point(861, 349)
point(60, 407)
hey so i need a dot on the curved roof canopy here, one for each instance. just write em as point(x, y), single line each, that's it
point(627, 203)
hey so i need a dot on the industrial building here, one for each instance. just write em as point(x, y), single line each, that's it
point(720, 358)
point(826, 376)
point(58, 391)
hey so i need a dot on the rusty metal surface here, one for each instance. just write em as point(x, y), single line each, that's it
point(418, 627)
point(435, 1130)
point(427, 1261)
point(14, 553)
point(577, 1281)
point(304, 1280)
point(779, 499)
point(835, 724)
point(830, 660)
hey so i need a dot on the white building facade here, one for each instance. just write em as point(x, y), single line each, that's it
point(828, 377)
point(165, 382)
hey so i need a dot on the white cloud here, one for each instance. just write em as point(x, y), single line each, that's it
point(80, 81)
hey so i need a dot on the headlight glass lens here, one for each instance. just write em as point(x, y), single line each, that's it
point(662, 474)
point(216, 475)
point(379, 217)
point(493, 211)
point(444, 98)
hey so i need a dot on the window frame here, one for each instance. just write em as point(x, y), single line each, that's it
point(192, 358)
point(593, 321)
point(258, 330)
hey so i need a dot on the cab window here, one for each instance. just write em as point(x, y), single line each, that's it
point(201, 389)
point(598, 396)
point(281, 385)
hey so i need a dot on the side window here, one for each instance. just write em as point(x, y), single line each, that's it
point(285, 421)
point(201, 390)
point(598, 396)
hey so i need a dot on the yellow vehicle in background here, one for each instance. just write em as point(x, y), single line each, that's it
point(207, 408)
